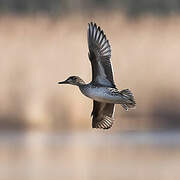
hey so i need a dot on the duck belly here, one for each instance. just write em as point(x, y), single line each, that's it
point(102, 94)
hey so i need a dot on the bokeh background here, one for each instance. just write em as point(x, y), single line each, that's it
point(45, 129)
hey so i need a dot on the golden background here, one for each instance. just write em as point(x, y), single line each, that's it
point(45, 128)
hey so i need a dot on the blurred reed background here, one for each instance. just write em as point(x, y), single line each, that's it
point(46, 128)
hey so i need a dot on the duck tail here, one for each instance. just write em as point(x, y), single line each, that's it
point(129, 101)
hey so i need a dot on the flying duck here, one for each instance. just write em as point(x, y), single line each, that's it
point(102, 88)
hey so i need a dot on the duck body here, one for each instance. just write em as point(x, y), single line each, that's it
point(103, 94)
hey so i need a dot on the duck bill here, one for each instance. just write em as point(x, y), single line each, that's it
point(63, 82)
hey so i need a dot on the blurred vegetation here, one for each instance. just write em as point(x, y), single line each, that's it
point(131, 7)
point(145, 58)
point(146, 49)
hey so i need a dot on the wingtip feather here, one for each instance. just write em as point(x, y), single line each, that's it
point(105, 123)
point(96, 35)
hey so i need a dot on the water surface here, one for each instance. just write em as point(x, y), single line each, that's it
point(90, 155)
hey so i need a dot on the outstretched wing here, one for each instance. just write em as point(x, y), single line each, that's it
point(102, 115)
point(99, 55)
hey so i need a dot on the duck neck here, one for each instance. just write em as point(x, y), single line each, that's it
point(80, 83)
